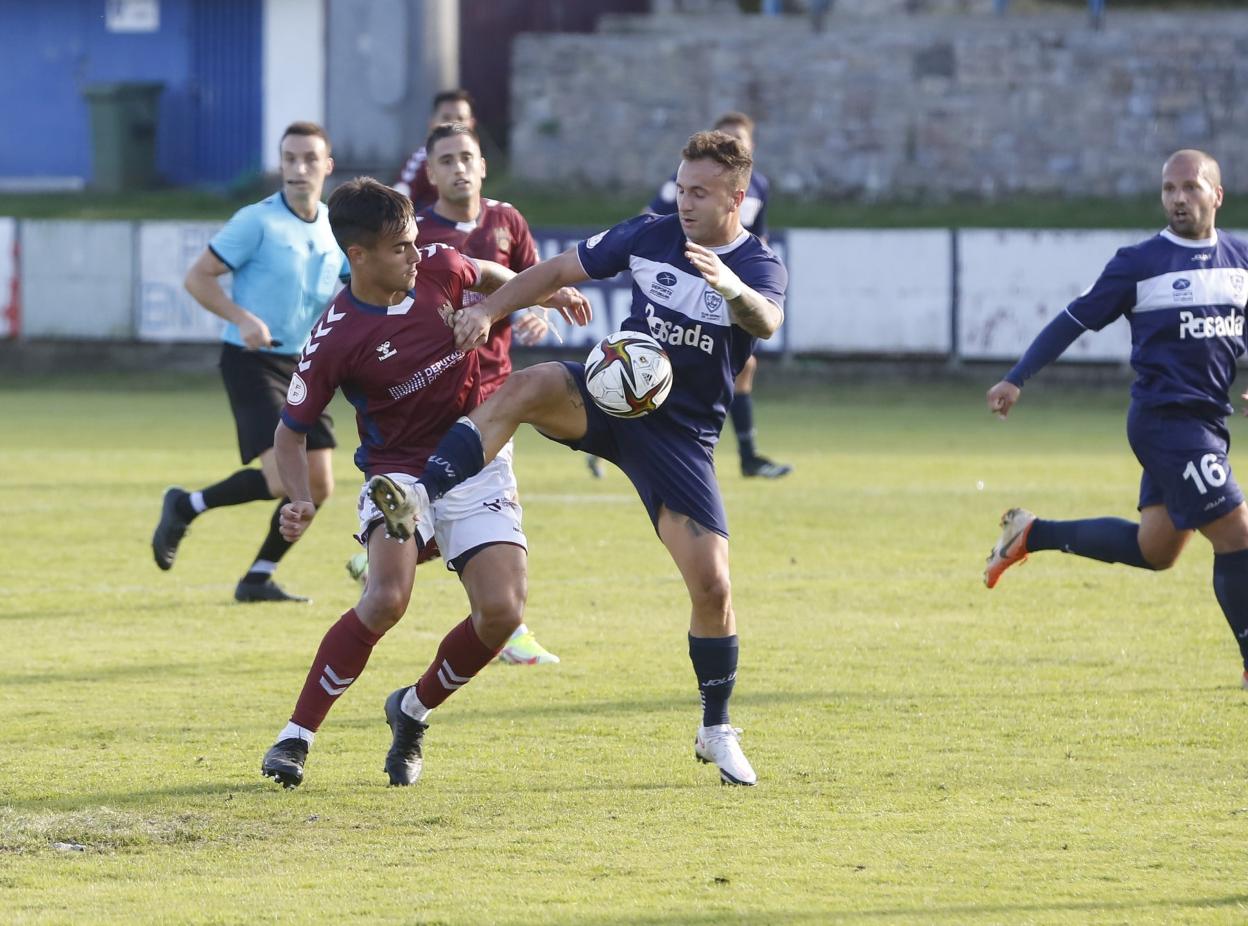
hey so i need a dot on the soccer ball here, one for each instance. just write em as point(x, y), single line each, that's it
point(628, 374)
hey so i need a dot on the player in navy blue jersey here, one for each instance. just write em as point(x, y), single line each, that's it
point(286, 267)
point(1183, 292)
point(708, 290)
point(754, 220)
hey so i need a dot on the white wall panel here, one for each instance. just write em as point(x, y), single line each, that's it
point(294, 70)
point(1013, 282)
point(876, 291)
point(9, 296)
point(77, 279)
point(165, 310)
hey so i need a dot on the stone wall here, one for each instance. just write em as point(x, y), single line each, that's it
point(919, 106)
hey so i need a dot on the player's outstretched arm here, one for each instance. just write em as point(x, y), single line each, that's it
point(536, 286)
point(750, 310)
point(204, 284)
point(290, 451)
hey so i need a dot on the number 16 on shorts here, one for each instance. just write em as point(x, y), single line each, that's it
point(1211, 474)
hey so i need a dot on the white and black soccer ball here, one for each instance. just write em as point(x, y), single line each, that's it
point(628, 374)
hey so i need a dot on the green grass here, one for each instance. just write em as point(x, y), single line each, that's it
point(1064, 749)
point(544, 206)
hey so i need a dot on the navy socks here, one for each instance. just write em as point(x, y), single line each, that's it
point(1110, 540)
point(458, 456)
point(1230, 585)
point(715, 663)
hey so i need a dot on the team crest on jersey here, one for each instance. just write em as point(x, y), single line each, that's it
point(502, 238)
point(447, 312)
point(297, 391)
point(385, 350)
point(714, 301)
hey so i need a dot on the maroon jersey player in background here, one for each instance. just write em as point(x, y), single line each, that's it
point(489, 230)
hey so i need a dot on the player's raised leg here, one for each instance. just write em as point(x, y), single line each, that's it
point(1153, 543)
point(701, 555)
point(343, 653)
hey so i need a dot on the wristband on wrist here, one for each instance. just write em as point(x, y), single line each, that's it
point(730, 286)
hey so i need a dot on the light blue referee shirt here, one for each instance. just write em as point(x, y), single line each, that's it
point(286, 269)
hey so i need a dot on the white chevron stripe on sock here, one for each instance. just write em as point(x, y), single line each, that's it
point(334, 692)
point(333, 676)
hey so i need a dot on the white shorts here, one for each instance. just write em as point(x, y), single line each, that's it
point(483, 509)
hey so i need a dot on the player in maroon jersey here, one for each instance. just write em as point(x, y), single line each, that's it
point(387, 342)
point(486, 229)
point(448, 106)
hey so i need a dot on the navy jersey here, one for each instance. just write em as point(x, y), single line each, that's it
point(753, 207)
point(673, 304)
point(1185, 302)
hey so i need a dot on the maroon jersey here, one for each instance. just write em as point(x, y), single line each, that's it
point(414, 183)
point(500, 234)
point(396, 364)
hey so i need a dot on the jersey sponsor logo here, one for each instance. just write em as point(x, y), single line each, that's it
point(1210, 326)
point(297, 391)
point(1181, 283)
point(666, 278)
point(422, 378)
point(666, 332)
point(1202, 257)
point(385, 350)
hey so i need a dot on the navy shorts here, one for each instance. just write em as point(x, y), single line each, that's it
point(1184, 455)
point(665, 463)
point(256, 383)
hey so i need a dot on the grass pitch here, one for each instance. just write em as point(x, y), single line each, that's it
point(1067, 748)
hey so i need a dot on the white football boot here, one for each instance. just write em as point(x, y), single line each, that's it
point(402, 508)
point(719, 744)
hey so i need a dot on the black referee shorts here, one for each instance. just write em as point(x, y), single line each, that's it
point(256, 383)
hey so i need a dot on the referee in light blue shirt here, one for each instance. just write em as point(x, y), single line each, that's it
point(286, 266)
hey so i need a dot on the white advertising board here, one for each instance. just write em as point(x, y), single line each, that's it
point(77, 279)
point(877, 291)
point(1013, 282)
point(165, 310)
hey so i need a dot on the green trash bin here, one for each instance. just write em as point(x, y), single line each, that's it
point(123, 135)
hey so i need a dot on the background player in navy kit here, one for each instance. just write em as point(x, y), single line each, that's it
point(1183, 292)
point(486, 229)
point(387, 341)
point(286, 266)
point(708, 290)
point(414, 182)
point(754, 219)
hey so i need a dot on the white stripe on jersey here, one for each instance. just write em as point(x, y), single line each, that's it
point(1190, 288)
point(680, 291)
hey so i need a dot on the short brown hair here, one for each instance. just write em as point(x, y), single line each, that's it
point(735, 118)
point(457, 95)
point(724, 150)
point(306, 128)
point(363, 210)
point(446, 130)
